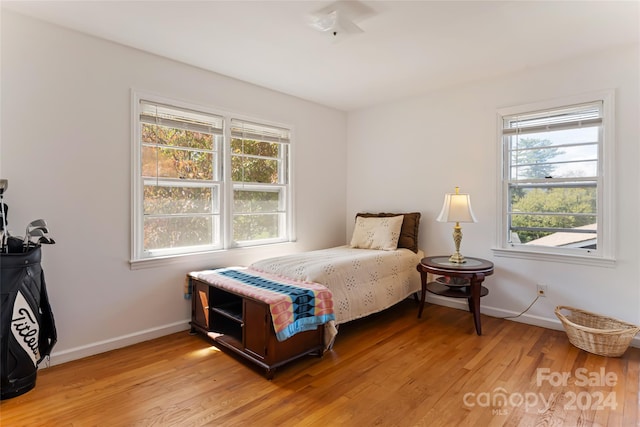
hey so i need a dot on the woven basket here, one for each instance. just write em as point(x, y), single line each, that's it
point(597, 334)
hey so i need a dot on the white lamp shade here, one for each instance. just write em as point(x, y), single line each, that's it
point(456, 208)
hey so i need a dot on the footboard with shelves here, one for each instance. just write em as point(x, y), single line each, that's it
point(244, 326)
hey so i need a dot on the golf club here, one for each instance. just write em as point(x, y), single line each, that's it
point(44, 240)
point(4, 184)
point(33, 233)
point(36, 223)
point(45, 230)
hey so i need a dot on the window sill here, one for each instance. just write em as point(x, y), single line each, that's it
point(162, 261)
point(199, 257)
point(562, 258)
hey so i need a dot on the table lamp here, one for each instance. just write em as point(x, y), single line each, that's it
point(456, 208)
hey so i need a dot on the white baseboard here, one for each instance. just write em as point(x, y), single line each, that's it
point(544, 322)
point(59, 357)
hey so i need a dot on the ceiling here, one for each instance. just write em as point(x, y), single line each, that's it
point(407, 48)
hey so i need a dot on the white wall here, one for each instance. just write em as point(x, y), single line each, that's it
point(66, 151)
point(406, 155)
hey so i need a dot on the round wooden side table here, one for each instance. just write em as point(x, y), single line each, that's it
point(460, 281)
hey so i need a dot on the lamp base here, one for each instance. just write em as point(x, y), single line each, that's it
point(457, 258)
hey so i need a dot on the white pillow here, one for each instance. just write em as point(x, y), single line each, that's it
point(377, 232)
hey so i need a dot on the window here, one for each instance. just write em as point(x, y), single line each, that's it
point(206, 181)
point(259, 168)
point(554, 196)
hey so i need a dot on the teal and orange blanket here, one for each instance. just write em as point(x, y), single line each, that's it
point(295, 306)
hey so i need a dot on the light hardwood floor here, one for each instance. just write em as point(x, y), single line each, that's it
point(390, 369)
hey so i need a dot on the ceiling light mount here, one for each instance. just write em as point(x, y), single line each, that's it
point(340, 18)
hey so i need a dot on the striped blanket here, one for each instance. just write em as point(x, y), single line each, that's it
point(295, 306)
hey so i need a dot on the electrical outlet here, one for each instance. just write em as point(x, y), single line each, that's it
point(542, 290)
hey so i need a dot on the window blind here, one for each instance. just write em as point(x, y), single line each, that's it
point(586, 115)
point(243, 129)
point(180, 118)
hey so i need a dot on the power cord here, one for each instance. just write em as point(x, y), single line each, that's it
point(525, 310)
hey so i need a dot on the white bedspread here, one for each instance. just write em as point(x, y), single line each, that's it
point(362, 281)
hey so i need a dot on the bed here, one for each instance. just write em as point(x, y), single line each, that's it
point(374, 272)
point(361, 281)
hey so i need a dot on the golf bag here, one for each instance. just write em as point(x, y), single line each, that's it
point(27, 327)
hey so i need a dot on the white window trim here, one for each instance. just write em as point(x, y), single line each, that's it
point(136, 261)
point(605, 255)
